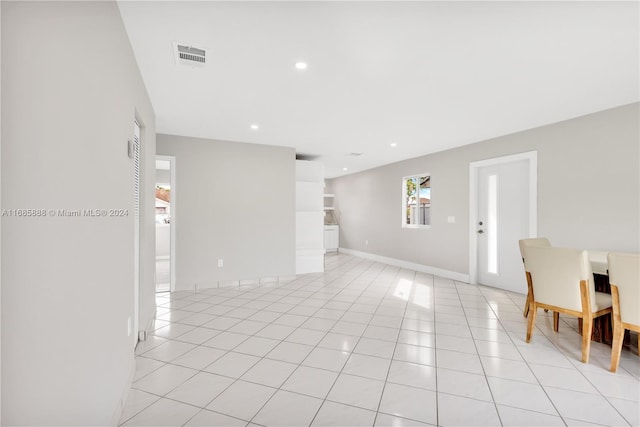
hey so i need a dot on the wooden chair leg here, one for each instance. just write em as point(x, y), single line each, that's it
point(532, 320)
point(616, 346)
point(525, 313)
point(587, 328)
point(556, 321)
point(580, 325)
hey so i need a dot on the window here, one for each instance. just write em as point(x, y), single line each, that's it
point(416, 201)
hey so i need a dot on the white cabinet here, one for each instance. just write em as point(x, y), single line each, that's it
point(331, 237)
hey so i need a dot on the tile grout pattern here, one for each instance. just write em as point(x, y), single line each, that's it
point(368, 344)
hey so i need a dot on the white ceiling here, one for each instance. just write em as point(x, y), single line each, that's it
point(426, 75)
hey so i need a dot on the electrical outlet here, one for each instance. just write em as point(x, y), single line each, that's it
point(129, 326)
point(220, 262)
point(366, 242)
point(451, 219)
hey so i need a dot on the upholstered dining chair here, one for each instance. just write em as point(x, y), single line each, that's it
point(562, 282)
point(624, 277)
point(537, 241)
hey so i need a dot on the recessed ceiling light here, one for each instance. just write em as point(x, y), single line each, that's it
point(345, 169)
point(301, 65)
point(255, 127)
point(393, 144)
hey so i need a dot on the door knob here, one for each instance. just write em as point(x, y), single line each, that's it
point(480, 231)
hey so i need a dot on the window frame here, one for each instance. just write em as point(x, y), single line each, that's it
point(404, 201)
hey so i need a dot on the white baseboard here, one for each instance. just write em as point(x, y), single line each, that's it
point(460, 277)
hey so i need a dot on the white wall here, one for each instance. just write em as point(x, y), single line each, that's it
point(234, 202)
point(70, 92)
point(588, 192)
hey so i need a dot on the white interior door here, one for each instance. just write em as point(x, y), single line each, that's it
point(503, 217)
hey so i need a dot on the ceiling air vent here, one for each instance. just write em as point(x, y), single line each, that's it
point(353, 154)
point(189, 55)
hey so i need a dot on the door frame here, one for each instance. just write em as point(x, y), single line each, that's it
point(474, 167)
point(172, 231)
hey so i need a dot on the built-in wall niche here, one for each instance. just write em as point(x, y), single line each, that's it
point(309, 217)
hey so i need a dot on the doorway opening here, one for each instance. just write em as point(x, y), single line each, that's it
point(165, 223)
point(503, 194)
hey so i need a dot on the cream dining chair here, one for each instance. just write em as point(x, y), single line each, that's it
point(562, 282)
point(624, 277)
point(537, 241)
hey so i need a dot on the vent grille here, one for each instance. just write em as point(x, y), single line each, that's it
point(353, 154)
point(189, 55)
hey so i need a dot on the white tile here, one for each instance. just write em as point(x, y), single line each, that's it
point(494, 335)
point(197, 319)
point(152, 341)
point(463, 384)
point(242, 400)
point(459, 361)
point(453, 343)
point(418, 325)
point(226, 340)
point(163, 380)
point(311, 381)
point(411, 374)
point(357, 391)
point(630, 410)
point(290, 352)
point(305, 336)
point(210, 419)
point(269, 372)
point(415, 354)
point(521, 395)
point(384, 420)
point(164, 412)
point(276, 332)
point(325, 358)
point(498, 349)
point(367, 366)
point(248, 327)
point(338, 342)
point(333, 414)
point(136, 401)
point(423, 339)
point(256, 346)
point(288, 409)
point(584, 407)
point(522, 418)
point(200, 389)
point(173, 330)
point(545, 356)
point(291, 320)
point(452, 329)
point(409, 402)
point(562, 378)
point(199, 358)
point(232, 364)
point(614, 385)
point(381, 333)
point(460, 411)
point(318, 324)
point(373, 347)
point(145, 366)
point(169, 350)
point(222, 323)
point(508, 369)
point(198, 335)
point(265, 316)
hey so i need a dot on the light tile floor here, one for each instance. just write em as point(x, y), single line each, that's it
point(367, 344)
